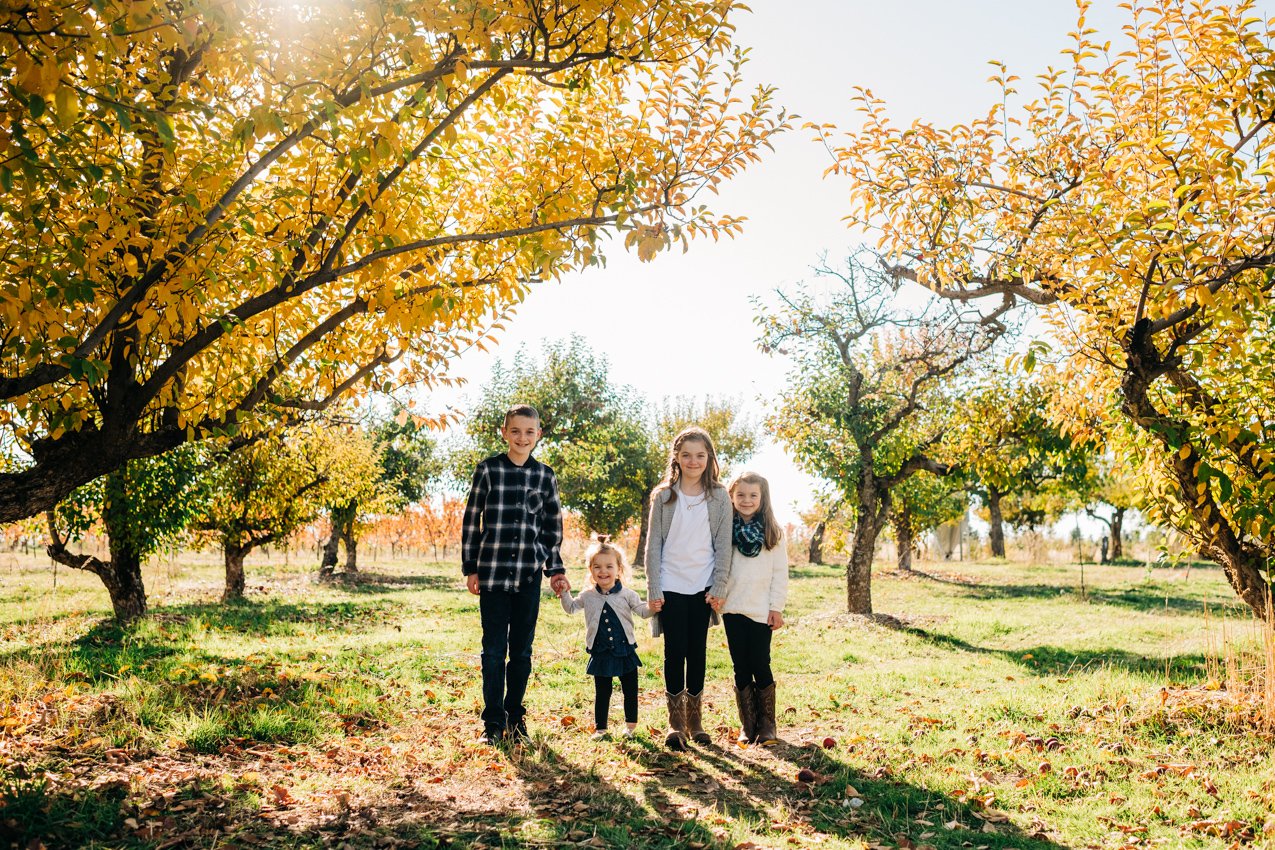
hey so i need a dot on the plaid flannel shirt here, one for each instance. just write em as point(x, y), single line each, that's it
point(513, 524)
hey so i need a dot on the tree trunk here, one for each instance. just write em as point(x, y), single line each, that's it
point(121, 575)
point(328, 565)
point(351, 546)
point(644, 528)
point(996, 532)
point(816, 542)
point(123, 580)
point(1117, 534)
point(874, 507)
point(904, 536)
point(235, 583)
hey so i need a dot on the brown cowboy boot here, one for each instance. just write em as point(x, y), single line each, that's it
point(694, 718)
point(676, 737)
point(765, 703)
point(747, 714)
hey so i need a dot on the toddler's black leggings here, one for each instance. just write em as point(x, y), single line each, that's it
point(602, 698)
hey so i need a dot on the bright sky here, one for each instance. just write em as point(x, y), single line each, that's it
point(682, 324)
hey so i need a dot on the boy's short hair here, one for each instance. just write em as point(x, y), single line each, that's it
point(521, 410)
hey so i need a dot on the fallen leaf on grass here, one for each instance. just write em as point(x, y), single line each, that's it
point(1222, 828)
point(282, 796)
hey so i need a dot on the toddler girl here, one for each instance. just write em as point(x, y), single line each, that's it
point(608, 614)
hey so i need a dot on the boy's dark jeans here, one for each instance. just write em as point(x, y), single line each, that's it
point(509, 627)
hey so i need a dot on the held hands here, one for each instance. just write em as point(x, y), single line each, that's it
point(471, 582)
point(775, 620)
point(714, 602)
point(559, 584)
point(656, 605)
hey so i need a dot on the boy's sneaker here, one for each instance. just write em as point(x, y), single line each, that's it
point(600, 735)
point(492, 736)
point(518, 731)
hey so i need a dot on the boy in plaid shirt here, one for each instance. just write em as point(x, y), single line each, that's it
point(512, 531)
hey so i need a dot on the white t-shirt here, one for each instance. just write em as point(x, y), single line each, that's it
point(687, 562)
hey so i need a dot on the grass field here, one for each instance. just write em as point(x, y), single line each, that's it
point(1002, 709)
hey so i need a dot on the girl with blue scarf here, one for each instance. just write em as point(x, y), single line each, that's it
point(752, 609)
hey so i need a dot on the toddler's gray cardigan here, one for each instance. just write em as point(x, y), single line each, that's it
point(591, 601)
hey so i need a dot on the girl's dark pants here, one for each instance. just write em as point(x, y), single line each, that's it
point(509, 627)
point(602, 698)
point(684, 620)
point(749, 643)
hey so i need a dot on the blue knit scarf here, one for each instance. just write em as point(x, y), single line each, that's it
point(749, 536)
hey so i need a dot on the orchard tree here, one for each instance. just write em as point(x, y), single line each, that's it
point(221, 215)
point(408, 461)
point(264, 492)
point(1115, 481)
point(143, 506)
point(593, 432)
point(821, 519)
point(857, 409)
point(922, 503)
point(1006, 442)
point(1113, 492)
point(1131, 198)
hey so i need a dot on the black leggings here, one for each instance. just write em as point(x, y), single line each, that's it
point(749, 643)
point(684, 620)
point(602, 686)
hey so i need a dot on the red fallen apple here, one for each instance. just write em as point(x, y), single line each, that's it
point(829, 743)
point(807, 775)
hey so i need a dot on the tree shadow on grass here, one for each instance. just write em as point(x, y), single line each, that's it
point(268, 617)
point(370, 582)
point(763, 788)
point(1061, 661)
point(1149, 597)
point(255, 618)
point(562, 803)
point(891, 808)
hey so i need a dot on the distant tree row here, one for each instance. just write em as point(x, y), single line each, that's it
point(242, 498)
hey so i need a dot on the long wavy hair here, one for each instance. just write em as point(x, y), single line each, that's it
point(773, 532)
point(712, 471)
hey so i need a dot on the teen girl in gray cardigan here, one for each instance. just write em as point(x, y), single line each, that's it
point(688, 551)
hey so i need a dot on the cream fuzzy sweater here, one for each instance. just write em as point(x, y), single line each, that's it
point(759, 585)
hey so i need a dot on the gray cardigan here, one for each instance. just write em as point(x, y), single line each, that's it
point(720, 514)
point(625, 603)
